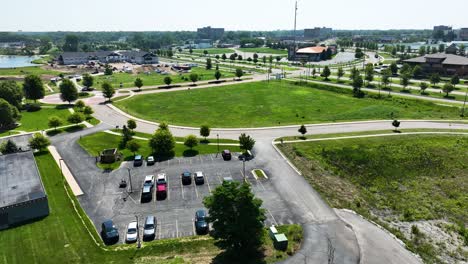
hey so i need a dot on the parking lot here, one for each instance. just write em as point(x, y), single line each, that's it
point(175, 214)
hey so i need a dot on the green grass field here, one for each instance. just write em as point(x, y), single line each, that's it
point(275, 103)
point(407, 178)
point(265, 50)
point(214, 51)
point(27, 70)
point(62, 237)
point(34, 121)
point(154, 78)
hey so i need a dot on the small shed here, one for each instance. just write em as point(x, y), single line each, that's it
point(109, 156)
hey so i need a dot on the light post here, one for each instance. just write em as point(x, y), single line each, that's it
point(130, 180)
point(243, 166)
point(217, 136)
point(138, 233)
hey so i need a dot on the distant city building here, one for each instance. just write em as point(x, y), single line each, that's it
point(463, 35)
point(13, 45)
point(446, 64)
point(317, 33)
point(445, 33)
point(445, 29)
point(138, 57)
point(210, 33)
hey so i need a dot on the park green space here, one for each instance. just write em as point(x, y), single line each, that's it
point(406, 178)
point(37, 70)
point(128, 80)
point(214, 51)
point(275, 103)
point(100, 141)
point(264, 50)
point(35, 121)
point(209, 140)
point(72, 238)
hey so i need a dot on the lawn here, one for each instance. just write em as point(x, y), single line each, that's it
point(154, 78)
point(27, 70)
point(62, 237)
point(214, 51)
point(407, 178)
point(96, 143)
point(211, 140)
point(35, 121)
point(265, 50)
point(276, 103)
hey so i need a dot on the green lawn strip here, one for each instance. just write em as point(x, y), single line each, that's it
point(93, 121)
point(96, 143)
point(407, 178)
point(35, 121)
point(114, 99)
point(8, 133)
point(69, 129)
point(27, 70)
point(213, 51)
point(276, 103)
point(264, 50)
point(376, 132)
point(181, 139)
point(259, 173)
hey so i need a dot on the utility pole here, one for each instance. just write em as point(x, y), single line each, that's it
point(138, 233)
point(217, 136)
point(130, 180)
point(243, 165)
point(295, 25)
point(464, 104)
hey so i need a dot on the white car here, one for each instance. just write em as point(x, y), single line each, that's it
point(150, 160)
point(132, 232)
point(162, 179)
point(198, 177)
point(149, 181)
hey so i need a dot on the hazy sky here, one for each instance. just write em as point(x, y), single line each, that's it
point(158, 15)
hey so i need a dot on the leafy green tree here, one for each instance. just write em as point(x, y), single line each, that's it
point(237, 218)
point(423, 86)
point(68, 91)
point(75, 118)
point(434, 79)
point(354, 73)
point(39, 142)
point(404, 80)
point(205, 52)
point(33, 87)
point(369, 70)
point(386, 77)
point(10, 92)
point(224, 57)
point(209, 65)
point(357, 85)
point(88, 80)
point(405, 69)
point(133, 146)
point(340, 73)
point(108, 70)
point(302, 130)
point(88, 111)
point(448, 88)
point(239, 73)
point(167, 80)
point(205, 131)
point(8, 115)
point(131, 124)
point(455, 80)
point(139, 83)
point(246, 142)
point(326, 73)
point(8, 147)
point(394, 68)
point(71, 43)
point(190, 50)
point(396, 124)
point(417, 71)
point(126, 136)
point(194, 78)
point(217, 75)
point(163, 126)
point(80, 105)
point(191, 141)
point(162, 143)
point(55, 122)
point(107, 90)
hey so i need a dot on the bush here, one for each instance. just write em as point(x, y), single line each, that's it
point(34, 107)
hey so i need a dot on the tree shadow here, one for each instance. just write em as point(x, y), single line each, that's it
point(234, 257)
point(190, 153)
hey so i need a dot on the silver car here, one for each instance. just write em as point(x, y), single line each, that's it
point(132, 232)
point(149, 230)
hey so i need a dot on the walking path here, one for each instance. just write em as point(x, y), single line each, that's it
point(65, 171)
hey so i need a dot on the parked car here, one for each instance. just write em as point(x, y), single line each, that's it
point(149, 230)
point(132, 232)
point(161, 192)
point(228, 179)
point(150, 160)
point(138, 161)
point(226, 154)
point(198, 177)
point(201, 223)
point(247, 156)
point(186, 178)
point(109, 232)
point(147, 193)
point(162, 179)
point(149, 180)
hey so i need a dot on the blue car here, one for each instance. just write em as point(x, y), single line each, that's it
point(109, 232)
point(138, 161)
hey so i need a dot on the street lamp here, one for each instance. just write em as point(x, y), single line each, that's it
point(61, 170)
point(130, 180)
point(243, 166)
point(138, 233)
point(217, 136)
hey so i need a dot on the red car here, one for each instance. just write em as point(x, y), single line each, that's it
point(161, 191)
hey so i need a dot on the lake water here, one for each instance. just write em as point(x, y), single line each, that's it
point(7, 61)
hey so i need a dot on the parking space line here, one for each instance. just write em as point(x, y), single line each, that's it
point(193, 227)
point(190, 161)
point(168, 192)
point(261, 184)
point(274, 220)
point(219, 178)
point(182, 187)
point(208, 182)
point(177, 228)
point(168, 162)
point(201, 160)
point(160, 227)
point(179, 160)
point(211, 156)
point(196, 192)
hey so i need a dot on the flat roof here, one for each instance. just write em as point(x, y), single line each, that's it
point(19, 179)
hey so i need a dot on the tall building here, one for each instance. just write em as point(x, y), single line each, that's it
point(210, 33)
point(442, 28)
point(317, 33)
point(463, 35)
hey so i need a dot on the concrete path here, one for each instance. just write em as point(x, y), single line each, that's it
point(65, 171)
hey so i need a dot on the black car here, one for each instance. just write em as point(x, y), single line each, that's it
point(138, 161)
point(201, 223)
point(226, 154)
point(186, 178)
point(109, 232)
point(146, 193)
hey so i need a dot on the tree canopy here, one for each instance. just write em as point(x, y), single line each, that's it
point(10, 92)
point(33, 87)
point(8, 115)
point(68, 91)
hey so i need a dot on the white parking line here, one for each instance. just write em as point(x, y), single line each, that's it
point(179, 161)
point(208, 183)
point(201, 160)
point(261, 184)
point(160, 227)
point(219, 178)
point(193, 227)
point(177, 228)
point(274, 220)
point(168, 192)
point(211, 156)
point(182, 187)
point(196, 192)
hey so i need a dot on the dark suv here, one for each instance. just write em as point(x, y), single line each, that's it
point(109, 232)
point(186, 178)
point(226, 154)
point(138, 161)
point(201, 223)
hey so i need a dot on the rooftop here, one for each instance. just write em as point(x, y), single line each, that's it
point(448, 59)
point(312, 50)
point(19, 179)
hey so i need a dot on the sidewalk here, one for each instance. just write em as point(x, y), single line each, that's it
point(66, 172)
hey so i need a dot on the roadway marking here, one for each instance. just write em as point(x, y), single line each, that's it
point(219, 178)
point(274, 220)
point(208, 183)
point(177, 228)
point(211, 156)
point(194, 183)
point(179, 161)
point(261, 184)
point(160, 227)
point(200, 159)
point(193, 226)
point(167, 190)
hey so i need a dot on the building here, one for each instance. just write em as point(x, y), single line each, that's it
point(22, 194)
point(210, 33)
point(310, 54)
point(138, 57)
point(444, 29)
point(13, 45)
point(317, 33)
point(463, 34)
point(442, 63)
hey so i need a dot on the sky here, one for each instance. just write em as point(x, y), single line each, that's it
point(177, 15)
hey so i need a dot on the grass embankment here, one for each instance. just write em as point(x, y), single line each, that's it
point(265, 50)
point(276, 103)
point(181, 139)
point(63, 236)
point(388, 179)
point(213, 51)
point(96, 143)
point(37, 70)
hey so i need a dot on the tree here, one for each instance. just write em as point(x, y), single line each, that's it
point(162, 143)
point(194, 78)
point(448, 88)
point(163, 126)
point(357, 85)
point(239, 58)
point(404, 80)
point(8, 115)
point(246, 142)
point(107, 90)
point(326, 73)
point(396, 124)
point(434, 79)
point(133, 146)
point(8, 147)
point(455, 80)
point(205, 52)
point(354, 73)
point(237, 218)
point(386, 77)
point(417, 71)
point(39, 142)
point(405, 69)
point(126, 136)
point(10, 92)
point(139, 83)
point(55, 122)
point(33, 88)
point(208, 64)
point(71, 43)
point(68, 91)
point(205, 131)
point(190, 50)
point(239, 73)
point(423, 86)
point(217, 75)
point(75, 118)
point(88, 111)
point(369, 73)
point(107, 70)
point(394, 68)
point(131, 124)
point(340, 73)
point(80, 105)
point(224, 57)
point(88, 80)
point(302, 130)
point(191, 141)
